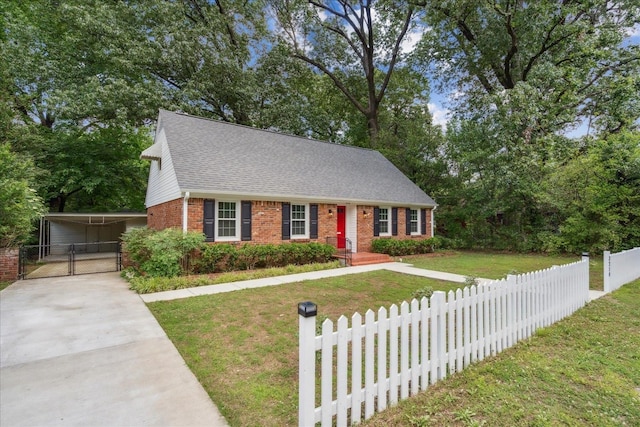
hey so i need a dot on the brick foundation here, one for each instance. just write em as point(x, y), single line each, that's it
point(9, 260)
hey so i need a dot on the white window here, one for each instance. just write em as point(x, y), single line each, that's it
point(227, 221)
point(384, 219)
point(299, 221)
point(415, 221)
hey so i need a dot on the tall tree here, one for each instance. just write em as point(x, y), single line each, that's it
point(358, 45)
point(565, 55)
point(75, 109)
point(20, 205)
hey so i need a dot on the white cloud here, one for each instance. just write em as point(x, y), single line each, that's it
point(410, 41)
point(634, 31)
point(440, 114)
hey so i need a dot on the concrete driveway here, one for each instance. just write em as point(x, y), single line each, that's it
point(85, 350)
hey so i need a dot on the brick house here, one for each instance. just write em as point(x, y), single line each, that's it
point(241, 184)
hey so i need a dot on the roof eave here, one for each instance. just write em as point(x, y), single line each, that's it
point(204, 194)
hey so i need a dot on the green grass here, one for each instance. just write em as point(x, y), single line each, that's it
point(4, 285)
point(498, 265)
point(582, 371)
point(243, 348)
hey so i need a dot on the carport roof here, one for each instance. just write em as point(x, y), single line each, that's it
point(93, 218)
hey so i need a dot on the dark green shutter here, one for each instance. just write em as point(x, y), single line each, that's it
point(408, 221)
point(286, 221)
point(376, 221)
point(423, 218)
point(394, 221)
point(209, 220)
point(246, 221)
point(313, 226)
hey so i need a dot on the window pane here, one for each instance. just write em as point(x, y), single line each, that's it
point(298, 220)
point(383, 220)
point(226, 228)
point(298, 212)
point(297, 228)
point(226, 219)
point(414, 220)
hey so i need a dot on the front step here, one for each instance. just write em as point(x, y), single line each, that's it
point(365, 258)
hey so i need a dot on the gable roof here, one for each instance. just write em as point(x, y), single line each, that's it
point(211, 158)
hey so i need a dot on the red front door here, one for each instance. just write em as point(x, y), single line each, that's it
point(341, 229)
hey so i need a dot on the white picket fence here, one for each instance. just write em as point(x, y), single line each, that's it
point(621, 268)
point(369, 366)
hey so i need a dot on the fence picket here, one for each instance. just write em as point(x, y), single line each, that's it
point(369, 382)
point(356, 372)
point(393, 355)
point(326, 384)
point(383, 327)
point(459, 349)
point(404, 350)
point(341, 373)
point(415, 347)
point(466, 295)
point(425, 314)
point(474, 323)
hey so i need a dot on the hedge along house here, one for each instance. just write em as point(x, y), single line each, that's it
point(241, 184)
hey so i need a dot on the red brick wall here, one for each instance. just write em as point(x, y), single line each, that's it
point(327, 222)
point(195, 221)
point(266, 221)
point(165, 215)
point(364, 216)
point(9, 259)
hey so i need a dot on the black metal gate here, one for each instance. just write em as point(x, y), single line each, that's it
point(37, 261)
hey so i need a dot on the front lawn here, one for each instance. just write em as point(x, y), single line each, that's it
point(582, 371)
point(498, 265)
point(243, 345)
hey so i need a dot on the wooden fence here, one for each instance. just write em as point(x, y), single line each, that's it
point(373, 364)
point(620, 268)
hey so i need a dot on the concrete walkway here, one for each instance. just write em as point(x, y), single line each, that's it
point(86, 351)
point(398, 267)
point(293, 278)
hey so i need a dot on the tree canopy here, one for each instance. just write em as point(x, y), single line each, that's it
point(82, 80)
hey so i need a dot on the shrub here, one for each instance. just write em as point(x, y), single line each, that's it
point(160, 253)
point(222, 257)
point(425, 292)
point(396, 247)
point(471, 281)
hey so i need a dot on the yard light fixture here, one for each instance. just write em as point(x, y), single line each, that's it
point(307, 309)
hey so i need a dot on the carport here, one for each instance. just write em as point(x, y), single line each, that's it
point(78, 243)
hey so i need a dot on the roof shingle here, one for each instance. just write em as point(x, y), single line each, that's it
point(220, 158)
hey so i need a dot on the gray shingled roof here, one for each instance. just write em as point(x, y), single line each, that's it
point(214, 157)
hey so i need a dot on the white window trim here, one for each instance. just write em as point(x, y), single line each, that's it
point(307, 220)
point(388, 221)
point(418, 220)
point(235, 238)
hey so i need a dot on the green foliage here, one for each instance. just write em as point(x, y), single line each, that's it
point(425, 292)
point(160, 253)
point(595, 199)
point(222, 257)
point(144, 284)
point(470, 281)
point(20, 206)
point(395, 247)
